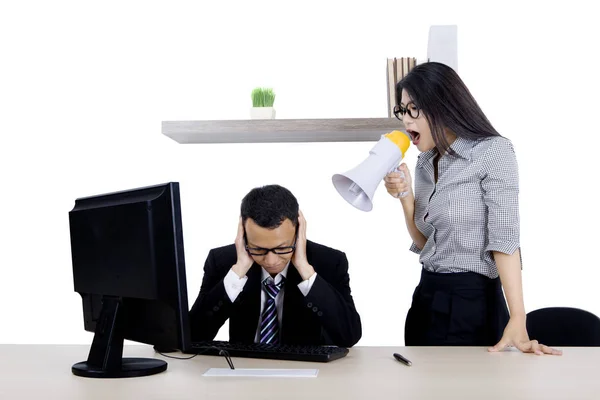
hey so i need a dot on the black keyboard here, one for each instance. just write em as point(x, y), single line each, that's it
point(271, 351)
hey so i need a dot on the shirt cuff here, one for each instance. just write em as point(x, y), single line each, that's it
point(506, 248)
point(415, 249)
point(305, 286)
point(233, 285)
point(503, 247)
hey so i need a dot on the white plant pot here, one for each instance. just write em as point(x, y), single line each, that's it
point(262, 113)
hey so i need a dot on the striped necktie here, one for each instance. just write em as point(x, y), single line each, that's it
point(269, 326)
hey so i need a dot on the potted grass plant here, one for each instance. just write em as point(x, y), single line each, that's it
point(262, 103)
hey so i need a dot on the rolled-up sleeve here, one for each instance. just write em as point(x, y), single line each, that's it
point(414, 248)
point(500, 183)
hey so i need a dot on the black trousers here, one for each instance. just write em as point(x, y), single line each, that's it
point(456, 309)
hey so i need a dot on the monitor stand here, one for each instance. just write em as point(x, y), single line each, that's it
point(105, 359)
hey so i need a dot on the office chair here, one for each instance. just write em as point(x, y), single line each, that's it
point(564, 326)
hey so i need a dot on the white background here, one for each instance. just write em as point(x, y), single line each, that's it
point(84, 88)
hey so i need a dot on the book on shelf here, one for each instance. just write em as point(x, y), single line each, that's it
point(397, 68)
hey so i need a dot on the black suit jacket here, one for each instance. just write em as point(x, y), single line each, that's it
point(326, 316)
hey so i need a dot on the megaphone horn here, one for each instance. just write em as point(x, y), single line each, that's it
point(358, 185)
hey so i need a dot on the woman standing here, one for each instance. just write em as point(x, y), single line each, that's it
point(463, 218)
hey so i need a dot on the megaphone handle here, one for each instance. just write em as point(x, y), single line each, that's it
point(401, 194)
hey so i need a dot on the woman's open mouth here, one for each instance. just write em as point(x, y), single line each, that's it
point(414, 136)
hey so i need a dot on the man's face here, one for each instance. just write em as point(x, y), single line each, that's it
point(280, 238)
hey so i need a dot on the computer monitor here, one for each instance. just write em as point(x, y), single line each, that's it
point(129, 268)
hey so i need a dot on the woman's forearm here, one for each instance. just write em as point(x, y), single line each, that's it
point(408, 205)
point(509, 268)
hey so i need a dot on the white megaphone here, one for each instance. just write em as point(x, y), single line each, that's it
point(358, 185)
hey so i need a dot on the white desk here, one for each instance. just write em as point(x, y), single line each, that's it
point(44, 372)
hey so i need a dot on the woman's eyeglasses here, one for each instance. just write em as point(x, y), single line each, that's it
point(410, 109)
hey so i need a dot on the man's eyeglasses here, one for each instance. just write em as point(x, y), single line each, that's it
point(410, 109)
point(259, 251)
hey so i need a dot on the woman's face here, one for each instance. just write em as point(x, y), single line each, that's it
point(416, 124)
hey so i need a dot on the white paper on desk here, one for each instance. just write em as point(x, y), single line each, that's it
point(263, 372)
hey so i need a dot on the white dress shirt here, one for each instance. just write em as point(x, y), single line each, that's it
point(234, 285)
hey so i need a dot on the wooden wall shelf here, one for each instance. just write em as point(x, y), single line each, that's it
point(280, 130)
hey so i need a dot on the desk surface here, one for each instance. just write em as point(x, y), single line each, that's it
point(36, 371)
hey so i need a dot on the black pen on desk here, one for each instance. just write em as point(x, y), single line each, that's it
point(402, 359)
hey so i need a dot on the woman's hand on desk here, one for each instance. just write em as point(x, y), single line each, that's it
point(515, 334)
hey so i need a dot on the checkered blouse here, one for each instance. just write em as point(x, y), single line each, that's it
point(472, 210)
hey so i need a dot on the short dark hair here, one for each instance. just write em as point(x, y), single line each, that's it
point(269, 206)
point(446, 102)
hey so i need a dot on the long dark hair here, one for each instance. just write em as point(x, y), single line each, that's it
point(446, 102)
point(269, 206)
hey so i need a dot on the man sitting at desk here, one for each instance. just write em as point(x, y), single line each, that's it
point(273, 285)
